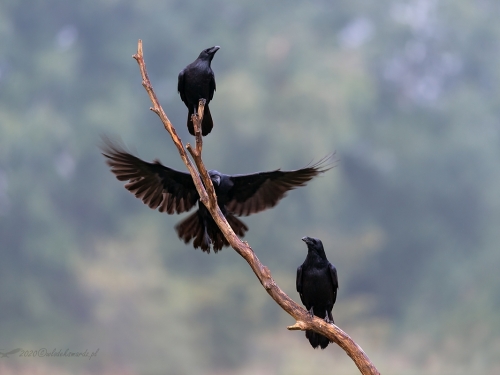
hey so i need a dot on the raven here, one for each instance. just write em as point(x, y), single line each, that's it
point(197, 81)
point(172, 191)
point(317, 285)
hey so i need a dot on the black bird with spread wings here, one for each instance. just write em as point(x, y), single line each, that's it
point(317, 284)
point(197, 81)
point(172, 191)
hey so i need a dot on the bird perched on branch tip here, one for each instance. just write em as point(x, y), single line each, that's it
point(197, 81)
point(317, 284)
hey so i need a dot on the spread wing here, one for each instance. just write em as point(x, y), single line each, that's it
point(180, 87)
point(158, 186)
point(259, 191)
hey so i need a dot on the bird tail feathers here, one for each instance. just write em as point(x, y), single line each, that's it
point(192, 228)
point(206, 125)
point(315, 339)
point(206, 233)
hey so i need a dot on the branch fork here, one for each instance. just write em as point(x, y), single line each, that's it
point(208, 197)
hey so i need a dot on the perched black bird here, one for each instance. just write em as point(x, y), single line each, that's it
point(317, 285)
point(173, 191)
point(197, 81)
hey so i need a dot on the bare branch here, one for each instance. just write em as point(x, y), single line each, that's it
point(197, 126)
point(303, 320)
point(156, 108)
point(196, 154)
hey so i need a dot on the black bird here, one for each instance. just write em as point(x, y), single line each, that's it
point(172, 191)
point(317, 285)
point(197, 81)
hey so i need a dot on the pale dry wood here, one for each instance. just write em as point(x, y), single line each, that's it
point(207, 196)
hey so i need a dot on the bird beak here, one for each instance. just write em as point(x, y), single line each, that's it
point(305, 239)
point(214, 49)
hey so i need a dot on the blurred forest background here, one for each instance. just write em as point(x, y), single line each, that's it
point(406, 92)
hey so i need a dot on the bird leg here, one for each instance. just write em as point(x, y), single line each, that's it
point(311, 313)
point(327, 318)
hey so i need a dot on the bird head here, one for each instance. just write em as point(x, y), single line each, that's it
point(208, 54)
point(314, 245)
point(215, 176)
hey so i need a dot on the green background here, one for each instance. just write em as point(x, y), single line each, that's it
point(406, 93)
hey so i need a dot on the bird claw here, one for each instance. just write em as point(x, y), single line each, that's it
point(311, 313)
point(327, 319)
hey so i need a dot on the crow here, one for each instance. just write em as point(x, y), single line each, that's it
point(197, 81)
point(172, 191)
point(317, 285)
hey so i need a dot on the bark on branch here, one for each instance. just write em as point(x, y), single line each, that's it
point(207, 196)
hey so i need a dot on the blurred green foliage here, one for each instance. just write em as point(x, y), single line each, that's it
point(406, 92)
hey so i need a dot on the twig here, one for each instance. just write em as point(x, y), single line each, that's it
point(207, 196)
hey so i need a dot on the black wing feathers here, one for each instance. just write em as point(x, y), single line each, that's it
point(211, 87)
point(335, 283)
point(180, 87)
point(259, 191)
point(172, 191)
point(157, 186)
point(333, 275)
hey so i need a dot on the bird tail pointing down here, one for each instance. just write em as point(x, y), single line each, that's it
point(205, 232)
point(206, 125)
point(315, 339)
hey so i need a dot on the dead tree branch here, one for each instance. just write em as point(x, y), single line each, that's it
point(207, 196)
